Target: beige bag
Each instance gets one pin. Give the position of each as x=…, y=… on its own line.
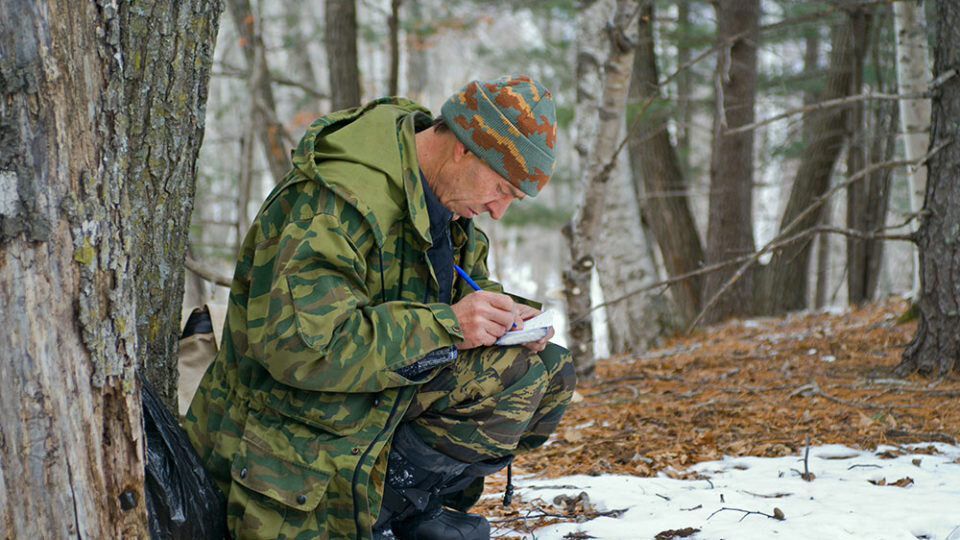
x=198, y=348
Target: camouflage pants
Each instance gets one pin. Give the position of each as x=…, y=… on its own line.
x=494, y=402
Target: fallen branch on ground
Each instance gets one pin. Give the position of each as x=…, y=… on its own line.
x=777, y=513
x=569, y=517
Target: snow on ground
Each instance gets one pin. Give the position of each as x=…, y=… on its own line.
x=891, y=493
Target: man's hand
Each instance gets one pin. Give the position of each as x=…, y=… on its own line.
x=485, y=316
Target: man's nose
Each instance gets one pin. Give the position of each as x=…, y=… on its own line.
x=499, y=207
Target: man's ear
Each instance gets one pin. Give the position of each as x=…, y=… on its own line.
x=459, y=150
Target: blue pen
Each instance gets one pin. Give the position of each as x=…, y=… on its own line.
x=466, y=277
x=469, y=280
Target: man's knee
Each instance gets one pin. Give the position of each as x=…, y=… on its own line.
x=559, y=367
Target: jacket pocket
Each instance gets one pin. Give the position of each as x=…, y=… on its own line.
x=267, y=463
x=319, y=306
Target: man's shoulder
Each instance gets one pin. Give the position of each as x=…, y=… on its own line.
x=356, y=198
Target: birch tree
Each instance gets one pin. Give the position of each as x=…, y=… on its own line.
x=595, y=176
x=624, y=259
x=913, y=78
x=100, y=121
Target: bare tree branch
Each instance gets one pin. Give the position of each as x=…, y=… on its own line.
x=234, y=72
x=828, y=104
x=206, y=272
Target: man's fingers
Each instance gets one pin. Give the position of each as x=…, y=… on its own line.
x=498, y=308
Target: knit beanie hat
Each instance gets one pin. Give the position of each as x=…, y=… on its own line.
x=511, y=124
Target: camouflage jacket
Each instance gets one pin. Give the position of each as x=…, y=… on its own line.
x=332, y=294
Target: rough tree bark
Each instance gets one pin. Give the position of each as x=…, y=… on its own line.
x=101, y=114
x=596, y=171
x=786, y=286
x=659, y=180
x=730, y=230
x=269, y=130
x=913, y=76
x=935, y=348
x=340, y=38
x=168, y=51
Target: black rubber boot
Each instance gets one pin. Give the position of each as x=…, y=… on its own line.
x=443, y=524
x=413, y=491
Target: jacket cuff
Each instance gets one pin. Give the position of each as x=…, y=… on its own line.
x=444, y=315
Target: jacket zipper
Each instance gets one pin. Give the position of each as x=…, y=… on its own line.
x=393, y=410
x=363, y=458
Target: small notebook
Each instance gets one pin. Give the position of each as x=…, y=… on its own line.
x=533, y=329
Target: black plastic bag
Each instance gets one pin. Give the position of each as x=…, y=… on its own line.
x=183, y=501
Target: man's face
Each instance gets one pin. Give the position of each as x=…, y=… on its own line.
x=468, y=187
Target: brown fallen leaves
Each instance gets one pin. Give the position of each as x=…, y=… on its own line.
x=757, y=388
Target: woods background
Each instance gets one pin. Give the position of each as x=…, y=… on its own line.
x=734, y=158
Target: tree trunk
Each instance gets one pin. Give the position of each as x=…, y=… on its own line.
x=272, y=135
x=868, y=200
x=596, y=173
x=823, y=263
x=659, y=179
x=786, y=287
x=730, y=232
x=168, y=51
x=857, y=151
x=684, y=86
x=626, y=264
x=935, y=348
x=865, y=257
x=99, y=129
x=625, y=261
x=878, y=193
x=593, y=46
x=811, y=55
x=393, y=85
x=340, y=38
x=913, y=76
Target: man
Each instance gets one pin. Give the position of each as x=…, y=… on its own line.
x=358, y=391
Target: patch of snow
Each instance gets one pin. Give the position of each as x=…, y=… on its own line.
x=855, y=494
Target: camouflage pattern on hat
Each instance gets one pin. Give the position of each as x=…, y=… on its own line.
x=511, y=124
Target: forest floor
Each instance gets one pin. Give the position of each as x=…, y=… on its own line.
x=759, y=387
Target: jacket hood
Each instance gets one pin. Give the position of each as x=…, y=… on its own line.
x=342, y=147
